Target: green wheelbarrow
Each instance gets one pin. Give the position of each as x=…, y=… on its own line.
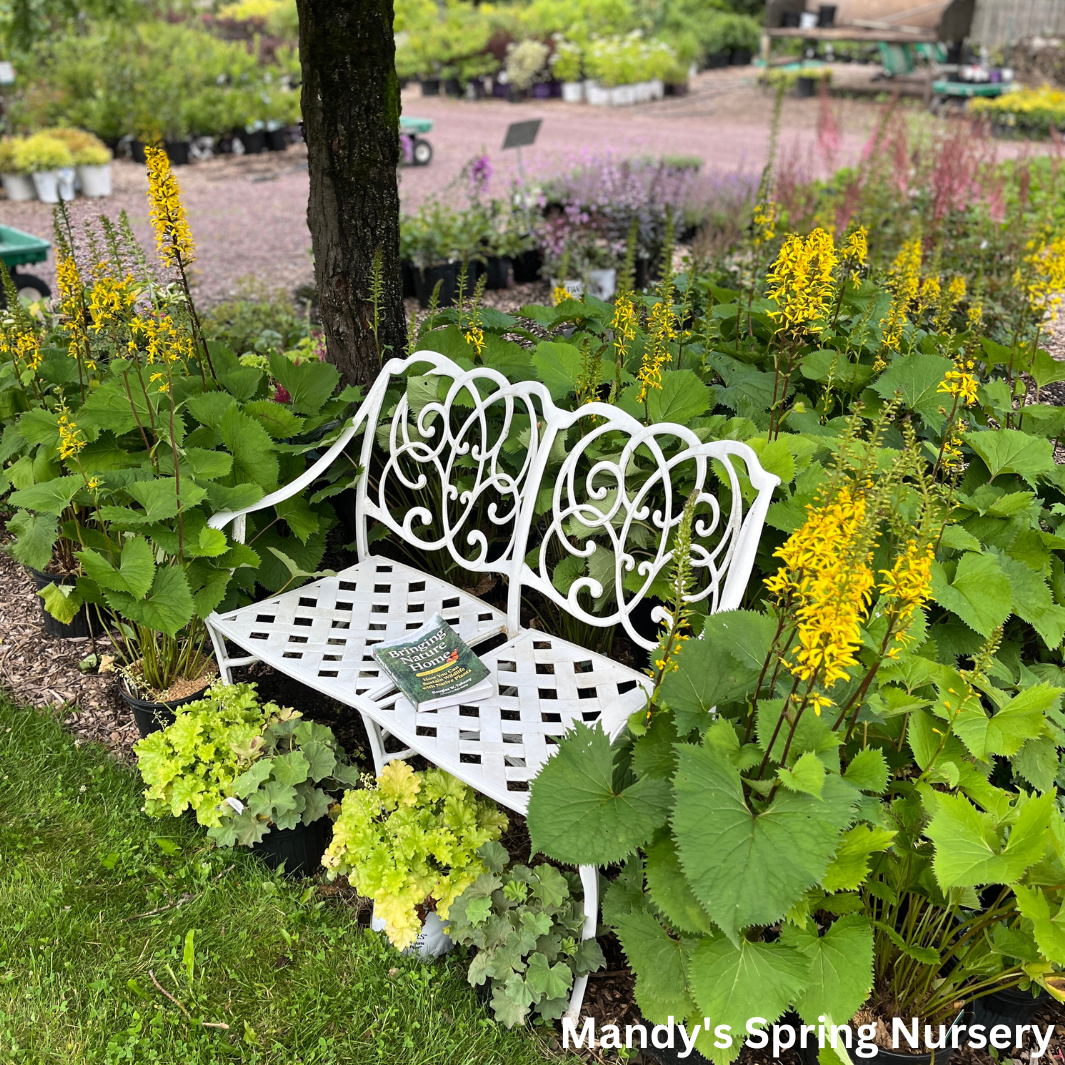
x=416, y=150
x=17, y=249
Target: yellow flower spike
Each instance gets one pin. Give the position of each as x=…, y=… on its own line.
x=173, y=237
x=801, y=281
x=475, y=338
x=71, y=438
x=559, y=295
x=959, y=384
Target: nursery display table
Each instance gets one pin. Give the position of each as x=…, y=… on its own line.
x=454, y=461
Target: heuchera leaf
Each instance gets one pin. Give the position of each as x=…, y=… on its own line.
x=574, y=813
x=750, y=868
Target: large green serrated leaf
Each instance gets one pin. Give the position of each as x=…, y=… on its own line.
x=160, y=499
x=1048, y=927
x=254, y=459
x=671, y=892
x=133, y=574
x=841, y=968
x=1004, y=733
x=309, y=384
x=721, y=666
x=168, y=606
x=732, y=982
x=1011, y=451
x=969, y=852
x=61, y=601
x=683, y=396
x=979, y=594
x=850, y=864
x=917, y=378
x=558, y=366
x=275, y=418
x=574, y=813
x=1032, y=600
x=748, y=868
x=868, y=770
x=36, y=535
x=51, y=497
x=658, y=962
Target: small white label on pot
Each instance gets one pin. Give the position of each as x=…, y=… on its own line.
x=236, y=804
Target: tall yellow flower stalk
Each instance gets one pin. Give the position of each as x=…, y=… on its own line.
x=826, y=581
x=623, y=326
x=904, y=279
x=801, y=281
x=661, y=332
x=173, y=238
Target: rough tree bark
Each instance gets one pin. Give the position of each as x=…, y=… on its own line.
x=351, y=109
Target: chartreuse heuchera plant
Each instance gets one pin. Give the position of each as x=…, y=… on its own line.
x=525, y=922
x=411, y=841
x=241, y=766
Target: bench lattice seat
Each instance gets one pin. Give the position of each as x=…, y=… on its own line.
x=498, y=480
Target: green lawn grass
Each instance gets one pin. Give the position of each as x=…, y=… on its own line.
x=291, y=974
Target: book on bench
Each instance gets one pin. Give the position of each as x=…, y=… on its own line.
x=434, y=667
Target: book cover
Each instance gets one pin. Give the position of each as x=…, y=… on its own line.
x=434, y=667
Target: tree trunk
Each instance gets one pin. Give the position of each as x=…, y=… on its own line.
x=351, y=109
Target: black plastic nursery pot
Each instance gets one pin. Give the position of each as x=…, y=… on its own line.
x=1010, y=1006
x=716, y=60
x=527, y=266
x=82, y=625
x=430, y=86
x=277, y=140
x=740, y=57
x=498, y=269
x=453, y=87
x=448, y=276
x=805, y=86
x=151, y=716
x=407, y=274
x=300, y=848
x=254, y=143
x=177, y=152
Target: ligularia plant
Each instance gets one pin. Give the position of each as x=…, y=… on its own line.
x=411, y=841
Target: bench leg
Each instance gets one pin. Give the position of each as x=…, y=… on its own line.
x=224, y=663
x=590, y=881
x=377, y=735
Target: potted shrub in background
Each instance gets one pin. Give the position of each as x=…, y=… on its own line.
x=411, y=844
x=525, y=924
x=257, y=776
x=17, y=183
x=42, y=156
x=92, y=160
x=566, y=67
x=525, y=62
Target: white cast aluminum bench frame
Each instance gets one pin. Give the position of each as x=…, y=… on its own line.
x=322, y=633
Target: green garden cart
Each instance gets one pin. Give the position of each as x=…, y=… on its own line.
x=17, y=249
x=416, y=150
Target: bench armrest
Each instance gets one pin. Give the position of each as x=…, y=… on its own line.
x=294, y=487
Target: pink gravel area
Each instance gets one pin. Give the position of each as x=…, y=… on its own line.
x=248, y=214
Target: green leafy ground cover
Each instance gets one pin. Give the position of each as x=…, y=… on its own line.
x=287, y=970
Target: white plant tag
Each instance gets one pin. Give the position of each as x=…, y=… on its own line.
x=236, y=804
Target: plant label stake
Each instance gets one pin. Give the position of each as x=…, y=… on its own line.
x=522, y=135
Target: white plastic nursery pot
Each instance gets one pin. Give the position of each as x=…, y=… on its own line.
x=572, y=92
x=65, y=177
x=624, y=95
x=432, y=940
x=95, y=180
x=46, y=182
x=18, y=186
x=658, y=88
x=603, y=283
x=596, y=95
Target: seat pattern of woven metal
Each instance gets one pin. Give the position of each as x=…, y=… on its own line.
x=322, y=634
x=543, y=685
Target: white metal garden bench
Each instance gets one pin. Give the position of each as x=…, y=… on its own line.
x=474, y=450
